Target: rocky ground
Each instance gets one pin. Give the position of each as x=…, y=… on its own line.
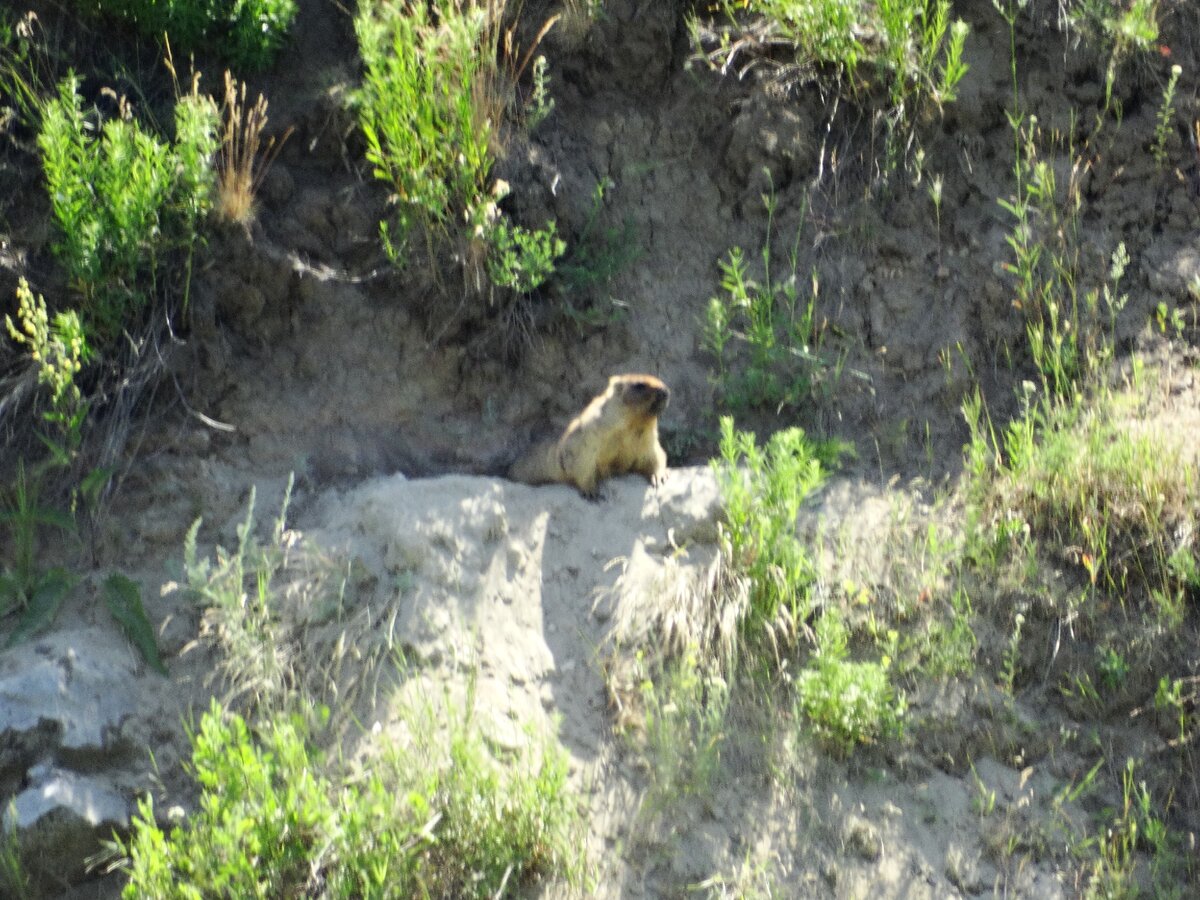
x=307, y=354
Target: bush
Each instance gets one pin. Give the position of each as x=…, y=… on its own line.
x=264, y=814
x=438, y=84
x=247, y=33
x=273, y=820
x=122, y=199
x=846, y=702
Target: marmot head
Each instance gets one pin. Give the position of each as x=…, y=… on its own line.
x=643, y=393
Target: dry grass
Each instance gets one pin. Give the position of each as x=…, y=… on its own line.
x=577, y=19
x=242, y=169
x=663, y=613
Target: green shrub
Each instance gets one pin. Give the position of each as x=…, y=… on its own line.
x=264, y=815
x=521, y=260
x=122, y=200
x=441, y=818
x=246, y=33
x=427, y=137
x=435, y=96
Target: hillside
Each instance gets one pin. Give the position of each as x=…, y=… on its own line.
x=985, y=295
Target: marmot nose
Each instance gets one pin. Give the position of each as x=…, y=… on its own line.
x=661, y=399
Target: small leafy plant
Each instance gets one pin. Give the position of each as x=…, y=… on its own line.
x=762, y=490
x=59, y=348
x=846, y=702
x=521, y=260
x=1162, y=123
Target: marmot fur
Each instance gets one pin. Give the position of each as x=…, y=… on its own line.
x=617, y=433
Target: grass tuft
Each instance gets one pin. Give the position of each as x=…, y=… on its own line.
x=241, y=171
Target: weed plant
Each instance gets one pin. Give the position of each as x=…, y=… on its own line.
x=763, y=489
x=771, y=583
x=764, y=336
x=248, y=34
x=1134, y=847
x=576, y=21
x=123, y=199
x=59, y=348
x=27, y=590
x=921, y=614
x=1119, y=28
x=596, y=257
x=1067, y=325
x=685, y=702
x=1082, y=479
x=522, y=260
x=20, y=68
x=1162, y=123
x=235, y=590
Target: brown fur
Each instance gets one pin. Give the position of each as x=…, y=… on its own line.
x=617, y=433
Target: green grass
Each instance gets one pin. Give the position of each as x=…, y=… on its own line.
x=1111, y=496
x=684, y=704
x=235, y=588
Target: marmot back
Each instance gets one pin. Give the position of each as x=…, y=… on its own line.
x=617, y=433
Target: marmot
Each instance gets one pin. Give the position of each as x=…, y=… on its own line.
x=617, y=433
